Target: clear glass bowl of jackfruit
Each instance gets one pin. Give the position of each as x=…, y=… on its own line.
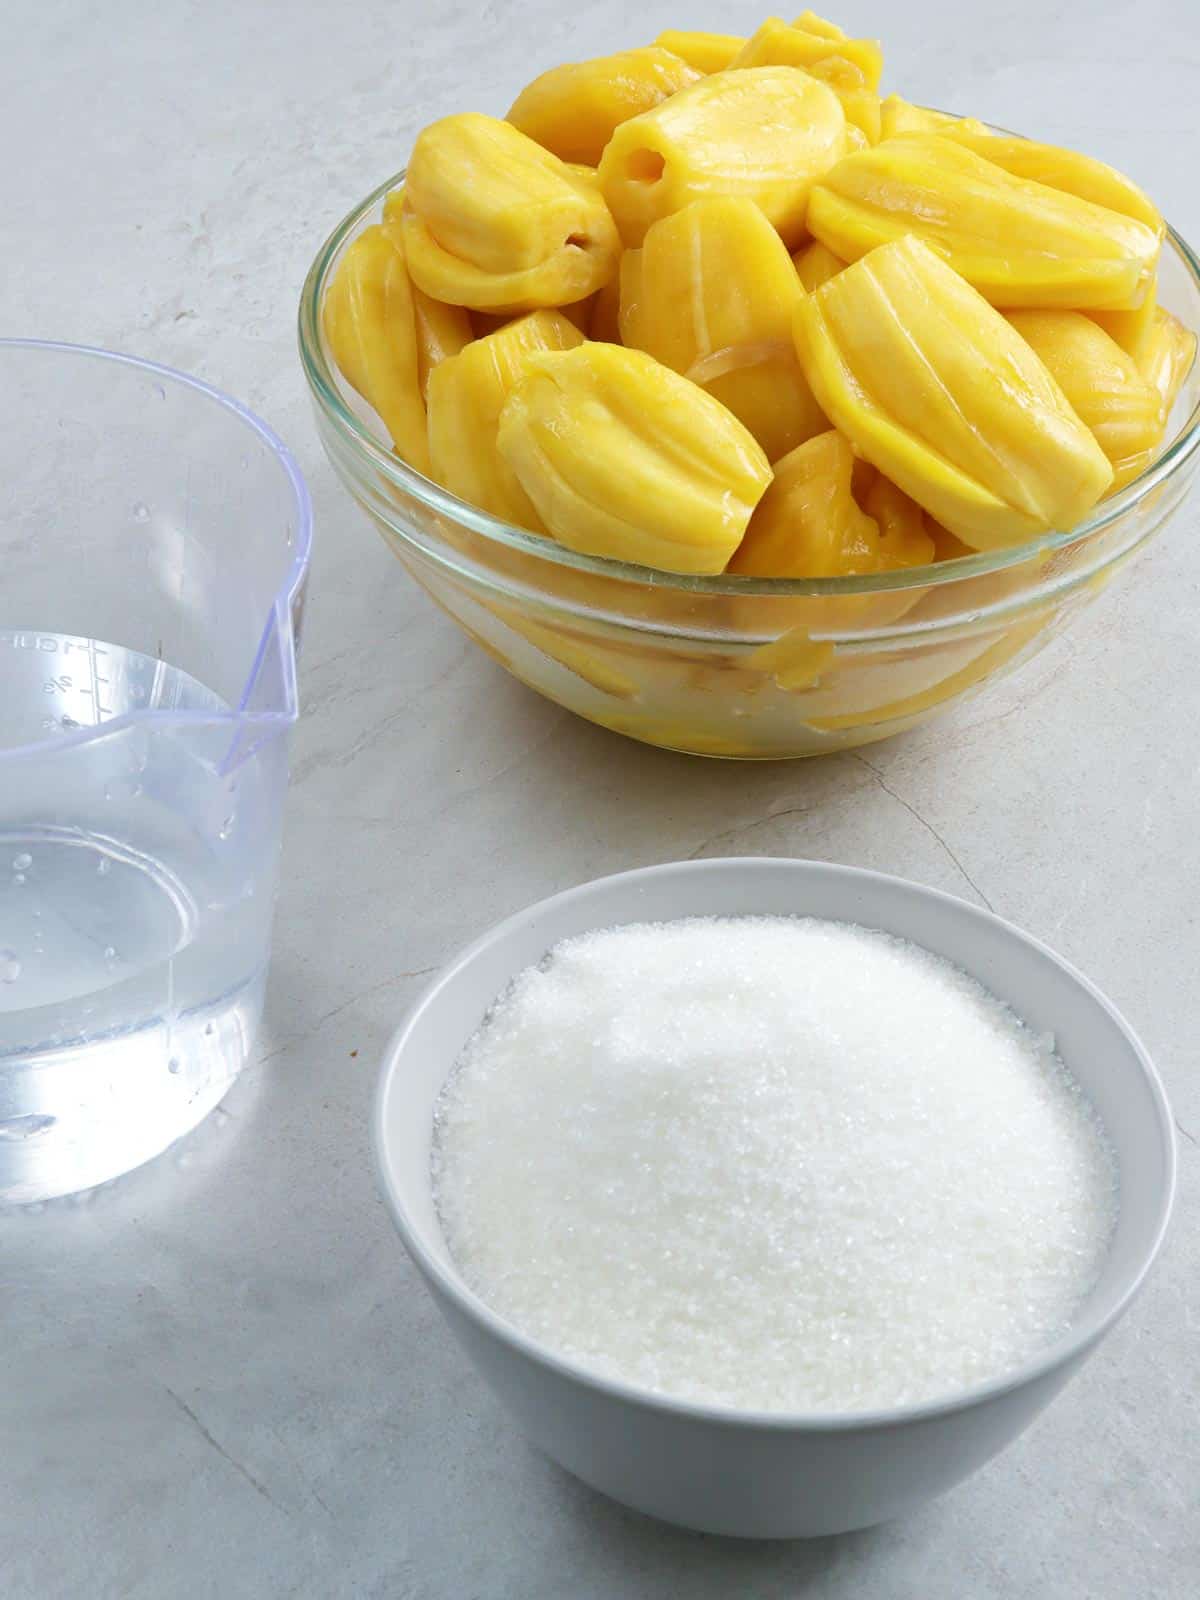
x=660, y=472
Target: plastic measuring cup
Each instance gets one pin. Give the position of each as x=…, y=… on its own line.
x=154, y=544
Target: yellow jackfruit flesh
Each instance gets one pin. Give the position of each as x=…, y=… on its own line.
x=1020, y=243
x=604, y=323
x=851, y=67
x=859, y=102
x=1167, y=358
x=630, y=316
x=812, y=23
x=646, y=202
x=466, y=396
x=866, y=54
x=1058, y=168
x=905, y=539
x=580, y=314
x=370, y=324
x=856, y=139
x=572, y=110
x=623, y=458
x=1076, y=174
x=706, y=52
x=442, y=331
x=809, y=524
x=494, y=222
x=711, y=294
x=815, y=264
x=899, y=116
x=946, y=545
x=1132, y=330
x=934, y=388
x=1105, y=389
x=762, y=134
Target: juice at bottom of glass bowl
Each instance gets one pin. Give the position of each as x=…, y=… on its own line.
x=137, y=871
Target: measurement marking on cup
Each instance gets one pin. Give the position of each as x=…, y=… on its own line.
x=102, y=708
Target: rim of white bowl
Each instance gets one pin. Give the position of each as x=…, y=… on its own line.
x=1069, y=1345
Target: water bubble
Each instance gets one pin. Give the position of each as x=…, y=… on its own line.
x=226, y=827
x=173, y=1065
x=49, y=722
x=184, y=1158
x=10, y=966
x=141, y=512
x=221, y=1116
x=105, y=865
x=135, y=789
x=19, y=878
x=22, y=862
x=110, y=953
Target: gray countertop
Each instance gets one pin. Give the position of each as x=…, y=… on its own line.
x=220, y=1375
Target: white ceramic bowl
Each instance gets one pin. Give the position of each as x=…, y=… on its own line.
x=771, y=1474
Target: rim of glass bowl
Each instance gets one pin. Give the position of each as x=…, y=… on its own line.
x=383, y=459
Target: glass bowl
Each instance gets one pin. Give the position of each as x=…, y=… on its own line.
x=751, y=668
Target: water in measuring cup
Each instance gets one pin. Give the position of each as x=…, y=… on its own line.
x=134, y=910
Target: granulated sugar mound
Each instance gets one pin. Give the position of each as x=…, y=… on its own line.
x=772, y=1163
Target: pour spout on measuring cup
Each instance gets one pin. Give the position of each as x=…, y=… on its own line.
x=269, y=703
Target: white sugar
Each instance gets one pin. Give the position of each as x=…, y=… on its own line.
x=773, y=1163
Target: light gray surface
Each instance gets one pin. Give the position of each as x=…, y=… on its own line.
x=221, y=1378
